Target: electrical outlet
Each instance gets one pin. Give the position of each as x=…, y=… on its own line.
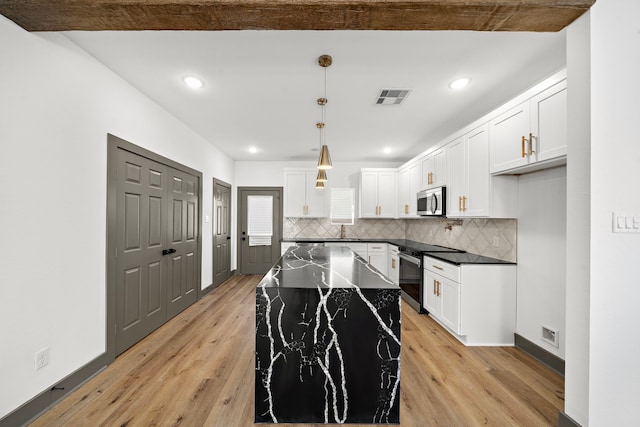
x=496, y=240
x=42, y=358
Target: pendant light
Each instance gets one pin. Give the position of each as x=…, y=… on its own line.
x=324, y=162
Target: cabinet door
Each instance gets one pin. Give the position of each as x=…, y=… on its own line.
x=387, y=192
x=394, y=268
x=316, y=198
x=379, y=261
x=294, y=194
x=439, y=176
x=368, y=194
x=414, y=187
x=456, y=189
x=404, y=191
x=506, y=132
x=549, y=123
x=477, y=165
x=430, y=298
x=450, y=303
x=428, y=168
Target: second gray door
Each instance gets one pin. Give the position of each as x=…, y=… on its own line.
x=221, y=232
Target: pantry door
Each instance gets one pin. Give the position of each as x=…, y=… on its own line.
x=141, y=280
x=153, y=242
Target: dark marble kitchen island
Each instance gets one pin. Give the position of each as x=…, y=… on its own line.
x=327, y=340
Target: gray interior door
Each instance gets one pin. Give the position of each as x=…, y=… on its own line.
x=182, y=268
x=157, y=229
x=221, y=232
x=258, y=259
x=141, y=270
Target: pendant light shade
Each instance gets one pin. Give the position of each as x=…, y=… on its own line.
x=324, y=162
x=322, y=176
x=319, y=184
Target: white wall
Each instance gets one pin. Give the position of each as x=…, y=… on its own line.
x=614, y=389
x=607, y=394
x=578, y=221
x=541, y=256
x=57, y=105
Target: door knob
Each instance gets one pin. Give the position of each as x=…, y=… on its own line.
x=168, y=251
x=228, y=238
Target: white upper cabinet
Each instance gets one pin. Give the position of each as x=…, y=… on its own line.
x=434, y=169
x=377, y=196
x=468, y=164
x=408, y=186
x=531, y=135
x=301, y=197
x=471, y=190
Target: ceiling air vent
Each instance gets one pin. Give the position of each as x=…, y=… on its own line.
x=392, y=96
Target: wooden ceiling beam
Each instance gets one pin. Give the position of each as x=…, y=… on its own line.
x=218, y=15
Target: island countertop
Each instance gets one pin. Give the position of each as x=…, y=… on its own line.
x=324, y=267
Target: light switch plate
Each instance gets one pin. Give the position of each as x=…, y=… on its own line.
x=626, y=223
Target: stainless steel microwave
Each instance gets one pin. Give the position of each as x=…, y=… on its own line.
x=432, y=202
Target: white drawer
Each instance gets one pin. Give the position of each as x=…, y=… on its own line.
x=376, y=247
x=445, y=269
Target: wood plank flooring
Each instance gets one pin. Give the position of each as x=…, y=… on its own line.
x=198, y=370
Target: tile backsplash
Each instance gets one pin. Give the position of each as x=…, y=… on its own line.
x=495, y=238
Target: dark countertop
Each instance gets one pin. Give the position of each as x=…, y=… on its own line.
x=453, y=256
x=466, y=258
x=324, y=267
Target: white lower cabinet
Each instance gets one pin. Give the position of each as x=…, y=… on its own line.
x=475, y=302
x=394, y=265
x=377, y=256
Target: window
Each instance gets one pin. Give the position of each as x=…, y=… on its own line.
x=342, y=210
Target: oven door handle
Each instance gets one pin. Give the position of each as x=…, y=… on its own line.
x=412, y=260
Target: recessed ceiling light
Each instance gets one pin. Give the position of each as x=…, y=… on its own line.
x=387, y=150
x=253, y=150
x=193, y=82
x=458, y=84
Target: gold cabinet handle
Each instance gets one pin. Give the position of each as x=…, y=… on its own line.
x=434, y=286
x=531, y=144
x=406, y=209
x=438, y=288
x=523, y=140
x=459, y=204
x=430, y=178
x=464, y=203
x=435, y=266
x=393, y=263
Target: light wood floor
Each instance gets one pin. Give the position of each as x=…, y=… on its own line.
x=198, y=370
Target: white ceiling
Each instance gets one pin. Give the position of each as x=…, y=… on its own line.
x=261, y=86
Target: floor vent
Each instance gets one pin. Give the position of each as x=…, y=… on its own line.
x=392, y=96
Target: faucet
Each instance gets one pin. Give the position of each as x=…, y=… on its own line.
x=343, y=232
